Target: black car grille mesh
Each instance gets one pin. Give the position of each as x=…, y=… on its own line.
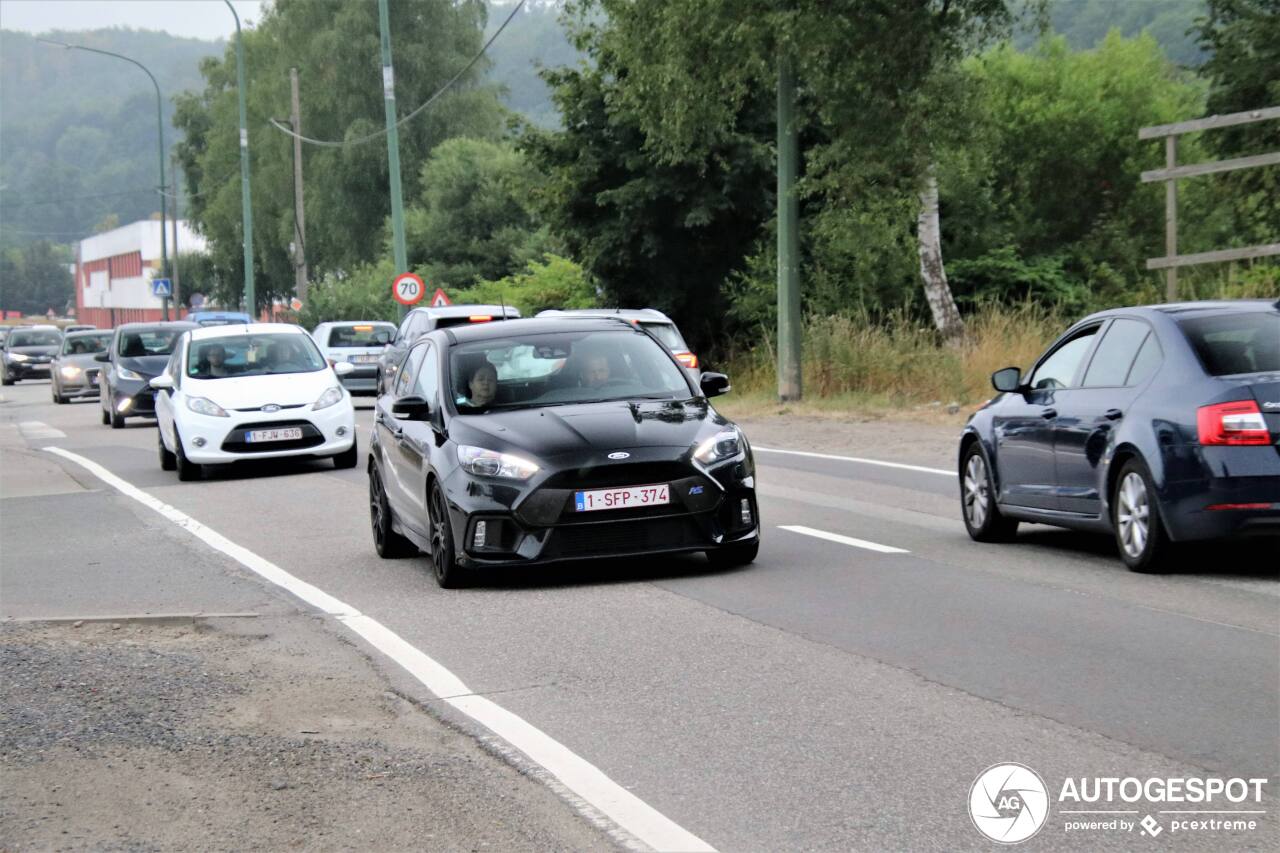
x=626, y=537
x=632, y=474
x=235, y=440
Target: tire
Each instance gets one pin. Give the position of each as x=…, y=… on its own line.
x=734, y=556
x=187, y=470
x=106, y=418
x=982, y=517
x=1135, y=518
x=6, y=379
x=168, y=461
x=59, y=399
x=349, y=458
x=389, y=544
x=444, y=558
x=117, y=421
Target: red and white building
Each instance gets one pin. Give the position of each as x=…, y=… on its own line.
x=114, y=271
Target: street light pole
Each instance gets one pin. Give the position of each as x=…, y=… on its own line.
x=246, y=205
x=164, y=243
x=393, y=146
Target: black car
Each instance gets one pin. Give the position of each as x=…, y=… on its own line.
x=138, y=353
x=27, y=353
x=1158, y=425
x=538, y=441
x=419, y=321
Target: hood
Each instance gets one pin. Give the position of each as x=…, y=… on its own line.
x=147, y=365
x=557, y=430
x=83, y=360
x=253, y=392
x=45, y=350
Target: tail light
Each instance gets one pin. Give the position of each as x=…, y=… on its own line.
x=1234, y=423
x=688, y=359
x=480, y=318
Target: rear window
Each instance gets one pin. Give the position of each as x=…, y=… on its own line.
x=361, y=335
x=86, y=344
x=1236, y=343
x=667, y=333
x=148, y=342
x=445, y=322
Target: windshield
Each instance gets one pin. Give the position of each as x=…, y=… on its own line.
x=361, y=335
x=86, y=344
x=1236, y=343
x=35, y=338
x=148, y=342
x=253, y=355
x=561, y=368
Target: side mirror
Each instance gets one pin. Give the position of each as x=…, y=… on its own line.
x=410, y=409
x=103, y=357
x=343, y=368
x=715, y=384
x=1008, y=379
x=163, y=382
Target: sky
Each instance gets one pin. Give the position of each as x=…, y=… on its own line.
x=204, y=19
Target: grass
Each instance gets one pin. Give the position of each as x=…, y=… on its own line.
x=852, y=364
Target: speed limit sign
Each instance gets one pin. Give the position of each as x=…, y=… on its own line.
x=408, y=289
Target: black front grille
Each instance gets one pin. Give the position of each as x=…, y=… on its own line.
x=281, y=408
x=626, y=537
x=235, y=440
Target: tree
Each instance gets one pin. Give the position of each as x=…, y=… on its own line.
x=36, y=278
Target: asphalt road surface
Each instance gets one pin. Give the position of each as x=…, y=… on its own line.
x=842, y=693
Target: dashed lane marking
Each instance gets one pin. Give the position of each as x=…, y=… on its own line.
x=650, y=829
x=863, y=461
x=38, y=430
x=843, y=540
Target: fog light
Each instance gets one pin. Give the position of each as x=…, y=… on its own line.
x=198, y=441
x=124, y=405
x=477, y=539
x=341, y=431
x=746, y=512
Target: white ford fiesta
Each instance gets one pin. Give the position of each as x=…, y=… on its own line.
x=256, y=391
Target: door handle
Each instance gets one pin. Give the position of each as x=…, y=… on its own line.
x=1049, y=414
x=1114, y=414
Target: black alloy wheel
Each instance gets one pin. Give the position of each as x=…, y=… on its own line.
x=444, y=558
x=982, y=518
x=386, y=541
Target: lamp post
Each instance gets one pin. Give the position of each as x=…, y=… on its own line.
x=164, y=243
x=246, y=205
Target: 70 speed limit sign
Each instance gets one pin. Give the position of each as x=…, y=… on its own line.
x=408, y=289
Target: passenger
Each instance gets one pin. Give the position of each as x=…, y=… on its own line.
x=594, y=372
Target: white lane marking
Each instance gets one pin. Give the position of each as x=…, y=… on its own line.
x=843, y=540
x=859, y=459
x=578, y=775
x=39, y=429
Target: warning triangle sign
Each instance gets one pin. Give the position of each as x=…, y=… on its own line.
x=440, y=299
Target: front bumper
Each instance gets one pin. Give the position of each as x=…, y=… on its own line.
x=224, y=438
x=28, y=369
x=83, y=384
x=134, y=400
x=525, y=527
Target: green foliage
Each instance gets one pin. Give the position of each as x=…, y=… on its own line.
x=335, y=46
x=474, y=220
x=364, y=294
x=34, y=278
x=1085, y=23
x=534, y=40
x=554, y=282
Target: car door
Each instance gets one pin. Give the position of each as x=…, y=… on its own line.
x=416, y=438
x=167, y=398
x=395, y=480
x=1088, y=415
x=1023, y=424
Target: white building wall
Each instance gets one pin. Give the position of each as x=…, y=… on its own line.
x=141, y=236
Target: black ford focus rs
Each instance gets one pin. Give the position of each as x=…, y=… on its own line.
x=540, y=441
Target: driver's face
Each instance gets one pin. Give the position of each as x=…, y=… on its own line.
x=217, y=355
x=596, y=371
x=484, y=386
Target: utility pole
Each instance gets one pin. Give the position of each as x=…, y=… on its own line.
x=177, y=192
x=299, y=211
x=246, y=203
x=789, y=320
x=393, y=145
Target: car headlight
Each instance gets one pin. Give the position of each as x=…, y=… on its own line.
x=205, y=406
x=490, y=463
x=328, y=398
x=69, y=371
x=721, y=446
x=126, y=373
x=17, y=356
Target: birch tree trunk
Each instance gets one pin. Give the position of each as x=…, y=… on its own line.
x=945, y=314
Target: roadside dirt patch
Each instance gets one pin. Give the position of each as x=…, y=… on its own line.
x=915, y=442
x=266, y=734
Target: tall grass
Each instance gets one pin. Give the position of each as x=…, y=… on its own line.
x=901, y=359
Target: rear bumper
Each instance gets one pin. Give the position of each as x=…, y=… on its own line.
x=1223, y=507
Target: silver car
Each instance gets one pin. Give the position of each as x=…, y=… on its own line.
x=75, y=371
x=359, y=343
x=651, y=320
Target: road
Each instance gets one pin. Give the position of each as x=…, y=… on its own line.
x=841, y=693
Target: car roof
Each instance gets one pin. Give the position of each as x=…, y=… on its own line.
x=507, y=311
x=204, y=333
x=651, y=315
x=331, y=323
x=532, y=326
x=165, y=324
x=218, y=314
x=81, y=333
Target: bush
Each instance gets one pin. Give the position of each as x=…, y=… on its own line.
x=555, y=282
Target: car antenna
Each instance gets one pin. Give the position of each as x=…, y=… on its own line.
x=502, y=300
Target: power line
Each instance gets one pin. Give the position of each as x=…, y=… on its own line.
x=330, y=143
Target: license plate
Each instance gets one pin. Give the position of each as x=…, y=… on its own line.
x=286, y=434
x=628, y=498
x=364, y=359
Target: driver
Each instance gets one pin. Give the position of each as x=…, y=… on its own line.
x=482, y=385
x=216, y=357
x=595, y=371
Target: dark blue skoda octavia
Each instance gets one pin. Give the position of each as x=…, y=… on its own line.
x=1158, y=424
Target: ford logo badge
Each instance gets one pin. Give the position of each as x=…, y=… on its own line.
x=270, y=407
x=620, y=455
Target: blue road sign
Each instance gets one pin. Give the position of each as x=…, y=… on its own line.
x=162, y=287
